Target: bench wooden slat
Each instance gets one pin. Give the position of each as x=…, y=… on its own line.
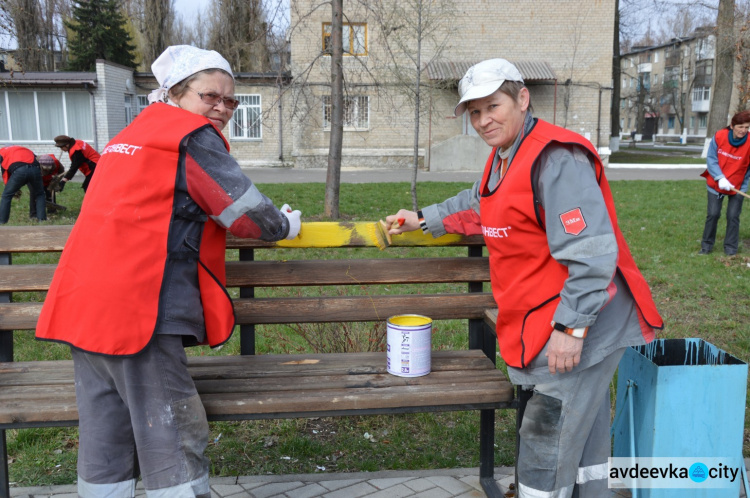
x=26, y=278
x=23, y=316
x=33, y=239
x=44, y=392
x=232, y=367
x=357, y=271
x=359, y=308
x=52, y=238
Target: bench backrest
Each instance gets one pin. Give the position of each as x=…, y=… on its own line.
x=298, y=263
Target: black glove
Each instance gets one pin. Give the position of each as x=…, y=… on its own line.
x=61, y=186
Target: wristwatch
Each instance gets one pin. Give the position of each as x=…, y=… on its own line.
x=579, y=332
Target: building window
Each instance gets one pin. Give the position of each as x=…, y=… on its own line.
x=700, y=94
x=656, y=57
x=624, y=82
x=670, y=122
x=128, y=109
x=703, y=121
x=356, y=112
x=142, y=102
x=354, y=38
x=246, y=122
x=622, y=103
x=38, y=116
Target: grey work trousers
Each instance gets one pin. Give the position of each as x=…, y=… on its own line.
x=564, y=436
x=713, y=213
x=140, y=415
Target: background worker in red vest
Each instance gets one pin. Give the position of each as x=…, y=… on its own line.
x=570, y=297
x=82, y=157
x=20, y=167
x=153, y=252
x=728, y=163
x=50, y=168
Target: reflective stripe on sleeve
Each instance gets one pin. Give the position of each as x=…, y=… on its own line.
x=247, y=202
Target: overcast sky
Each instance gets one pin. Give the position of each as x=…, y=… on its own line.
x=189, y=8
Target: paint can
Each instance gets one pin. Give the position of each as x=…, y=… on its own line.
x=409, y=339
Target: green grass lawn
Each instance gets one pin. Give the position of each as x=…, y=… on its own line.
x=698, y=296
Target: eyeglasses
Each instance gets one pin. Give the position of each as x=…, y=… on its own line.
x=212, y=99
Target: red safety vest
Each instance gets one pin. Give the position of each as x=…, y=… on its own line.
x=733, y=161
x=15, y=154
x=105, y=296
x=91, y=155
x=526, y=279
x=56, y=170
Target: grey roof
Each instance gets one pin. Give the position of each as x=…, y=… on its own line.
x=58, y=79
x=455, y=70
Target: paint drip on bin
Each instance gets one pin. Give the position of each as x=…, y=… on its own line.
x=409, y=339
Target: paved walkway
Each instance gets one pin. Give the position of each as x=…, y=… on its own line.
x=439, y=483
x=449, y=483
x=613, y=172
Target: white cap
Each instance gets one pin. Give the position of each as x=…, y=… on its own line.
x=484, y=79
x=181, y=61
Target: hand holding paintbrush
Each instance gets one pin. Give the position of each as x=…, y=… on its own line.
x=403, y=221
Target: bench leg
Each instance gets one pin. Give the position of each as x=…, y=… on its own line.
x=487, y=454
x=6, y=336
x=4, y=476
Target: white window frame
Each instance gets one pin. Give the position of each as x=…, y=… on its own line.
x=701, y=94
x=5, y=114
x=356, y=112
x=142, y=103
x=129, y=115
x=250, y=109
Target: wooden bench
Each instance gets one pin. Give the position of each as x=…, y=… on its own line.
x=249, y=386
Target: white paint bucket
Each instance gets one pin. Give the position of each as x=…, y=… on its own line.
x=409, y=345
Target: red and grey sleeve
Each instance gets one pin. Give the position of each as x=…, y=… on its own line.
x=217, y=184
x=458, y=214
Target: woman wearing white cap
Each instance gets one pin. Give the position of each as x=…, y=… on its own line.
x=146, y=256
x=570, y=297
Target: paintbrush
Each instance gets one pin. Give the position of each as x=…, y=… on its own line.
x=381, y=236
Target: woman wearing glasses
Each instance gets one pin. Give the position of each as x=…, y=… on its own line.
x=155, y=224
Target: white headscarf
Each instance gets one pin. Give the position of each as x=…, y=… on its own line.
x=180, y=61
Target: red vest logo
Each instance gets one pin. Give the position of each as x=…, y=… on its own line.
x=573, y=221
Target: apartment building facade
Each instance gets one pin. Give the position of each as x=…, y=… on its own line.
x=666, y=89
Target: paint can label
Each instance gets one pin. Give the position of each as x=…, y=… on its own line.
x=409, y=345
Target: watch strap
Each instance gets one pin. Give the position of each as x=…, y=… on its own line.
x=579, y=332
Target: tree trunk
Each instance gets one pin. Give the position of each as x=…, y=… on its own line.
x=414, y=203
x=333, y=176
x=614, y=124
x=723, y=69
